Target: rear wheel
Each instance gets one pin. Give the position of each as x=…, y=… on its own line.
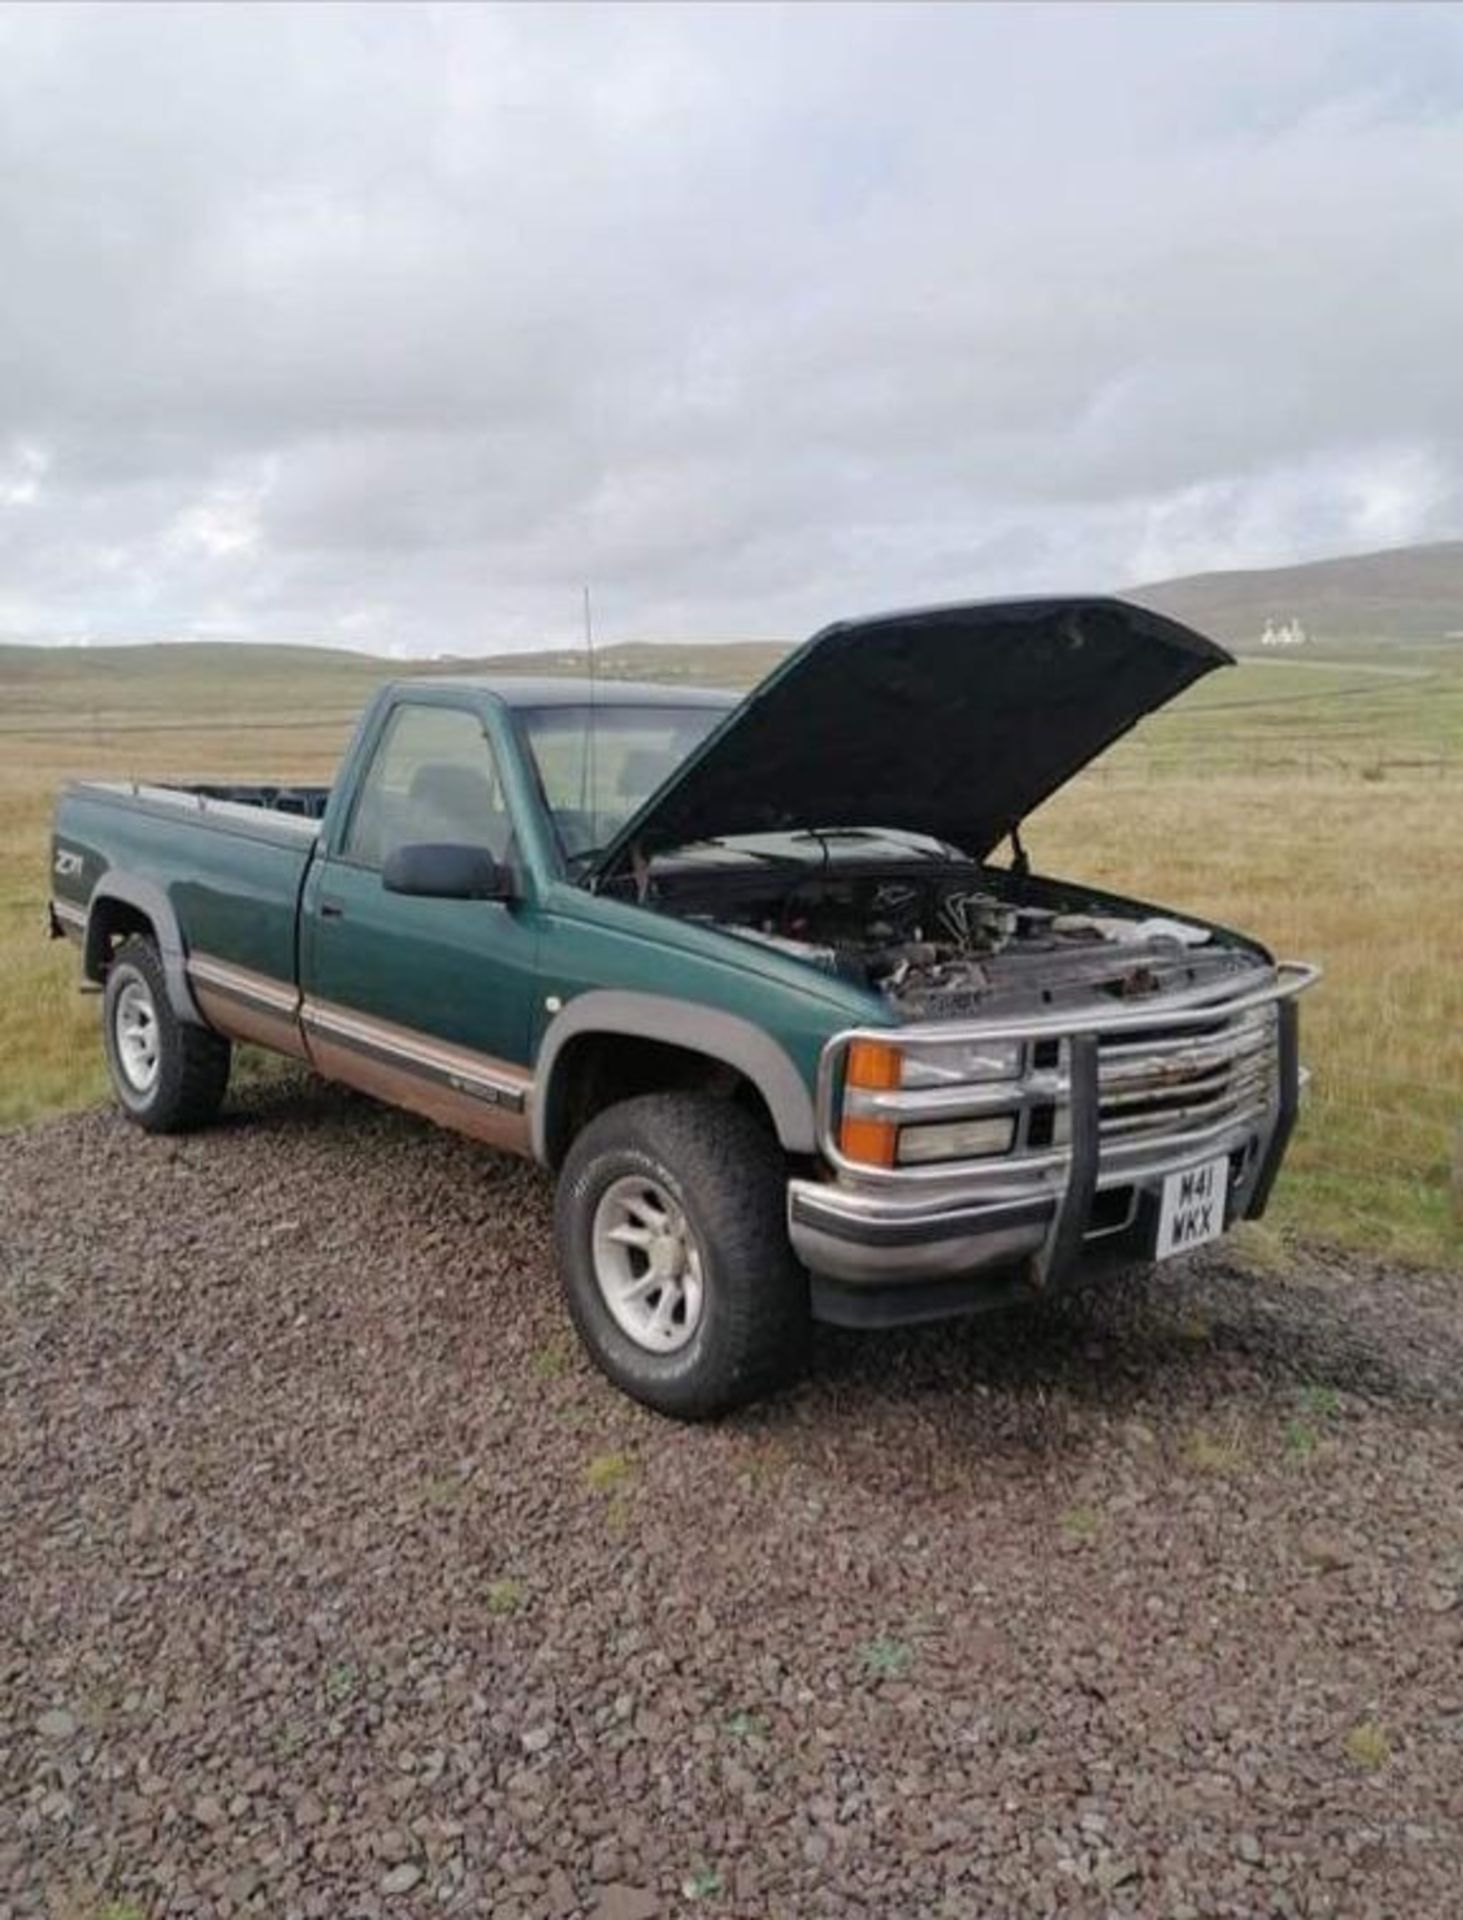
x=674, y=1254
x=168, y=1075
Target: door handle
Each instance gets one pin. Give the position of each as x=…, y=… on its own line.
x=331, y=910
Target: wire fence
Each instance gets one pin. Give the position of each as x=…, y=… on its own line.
x=1169, y=761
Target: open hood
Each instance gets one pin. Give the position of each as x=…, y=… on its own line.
x=953, y=721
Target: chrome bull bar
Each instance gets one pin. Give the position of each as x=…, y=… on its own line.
x=1108, y=1062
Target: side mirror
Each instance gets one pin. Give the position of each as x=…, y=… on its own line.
x=446, y=872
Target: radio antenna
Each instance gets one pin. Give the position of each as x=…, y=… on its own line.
x=589, y=797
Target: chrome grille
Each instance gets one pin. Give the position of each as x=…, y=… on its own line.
x=1172, y=1080
x=1176, y=1080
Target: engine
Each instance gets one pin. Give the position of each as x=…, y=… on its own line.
x=970, y=940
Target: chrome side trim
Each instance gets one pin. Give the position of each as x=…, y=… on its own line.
x=495, y=1082
x=69, y=914
x=241, y=983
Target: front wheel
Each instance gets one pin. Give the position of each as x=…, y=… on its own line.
x=168, y=1075
x=674, y=1254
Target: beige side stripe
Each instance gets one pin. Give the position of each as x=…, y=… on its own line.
x=482, y=1075
x=496, y=1082
x=258, y=989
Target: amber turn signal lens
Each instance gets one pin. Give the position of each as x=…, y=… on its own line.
x=872, y=1064
x=869, y=1141
x=872, y=1067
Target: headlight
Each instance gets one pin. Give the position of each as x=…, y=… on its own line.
x=946, y=1063
x=874, y=1132
x=956, y=1140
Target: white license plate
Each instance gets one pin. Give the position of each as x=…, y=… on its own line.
x=1193, y=1208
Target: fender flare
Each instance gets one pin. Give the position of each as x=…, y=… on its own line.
x=681, y=1023
x=149, y=899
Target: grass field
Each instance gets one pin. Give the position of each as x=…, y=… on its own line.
x=1318, y=803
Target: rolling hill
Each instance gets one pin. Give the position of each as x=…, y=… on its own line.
x=1402, y=593
x=1412, y=596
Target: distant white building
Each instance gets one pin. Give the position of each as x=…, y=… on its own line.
x=1288, y=633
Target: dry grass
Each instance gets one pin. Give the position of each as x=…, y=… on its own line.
x=50, y=1057
x=1360, y=873
x=1364, y=878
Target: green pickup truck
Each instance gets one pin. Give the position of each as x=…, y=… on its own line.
x=749, y=976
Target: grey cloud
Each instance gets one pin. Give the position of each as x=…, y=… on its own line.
x=397, y=324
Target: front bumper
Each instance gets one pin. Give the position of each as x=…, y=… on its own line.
x=898, y=1246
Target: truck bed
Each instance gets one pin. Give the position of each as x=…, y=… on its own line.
x=223, y=864
x=306, y=802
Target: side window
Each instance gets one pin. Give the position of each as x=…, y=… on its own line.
x=432, y=777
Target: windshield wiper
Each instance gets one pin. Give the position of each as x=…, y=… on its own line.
x=732, y=843
x=576, y=864
x=938, y=850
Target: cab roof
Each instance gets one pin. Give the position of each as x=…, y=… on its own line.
x=553, y=690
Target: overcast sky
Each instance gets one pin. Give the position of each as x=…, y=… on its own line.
x=389, y=327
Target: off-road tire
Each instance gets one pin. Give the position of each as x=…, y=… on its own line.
x=726, y=1172
x=192, y=1062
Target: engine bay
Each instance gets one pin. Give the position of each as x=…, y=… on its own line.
x=953, y=938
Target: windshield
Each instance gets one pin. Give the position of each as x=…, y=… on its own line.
x=593, y=780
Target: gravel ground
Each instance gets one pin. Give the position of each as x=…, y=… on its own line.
x=336, y=1583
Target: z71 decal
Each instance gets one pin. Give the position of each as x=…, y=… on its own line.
x=67, y=863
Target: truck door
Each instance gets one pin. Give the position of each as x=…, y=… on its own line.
x=423, y=1002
